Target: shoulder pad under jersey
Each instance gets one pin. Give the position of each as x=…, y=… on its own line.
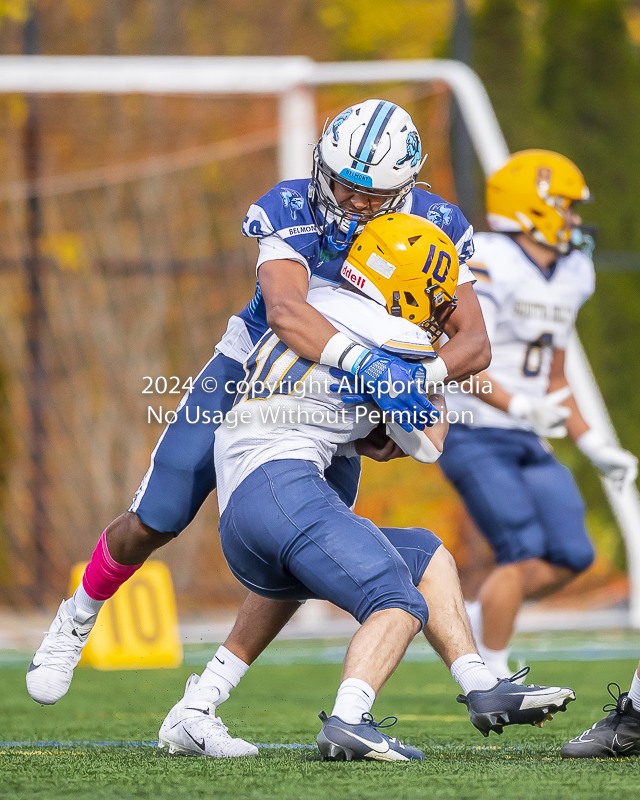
x=283, y=210
x=446, y=216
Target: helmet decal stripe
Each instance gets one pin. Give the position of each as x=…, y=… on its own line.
x=378, y=135
x=367, y=131
x=372, y=134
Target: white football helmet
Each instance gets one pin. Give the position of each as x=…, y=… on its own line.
x=373, y=148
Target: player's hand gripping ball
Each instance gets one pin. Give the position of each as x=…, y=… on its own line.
x=396, y=386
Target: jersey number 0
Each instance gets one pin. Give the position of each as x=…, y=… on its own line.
x=533, y=356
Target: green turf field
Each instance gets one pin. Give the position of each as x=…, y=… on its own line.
x=278, y=705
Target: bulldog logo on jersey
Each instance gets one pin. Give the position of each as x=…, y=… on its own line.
x=440, y=214
x=337, y=122
x=292, y=200
x=414, y=150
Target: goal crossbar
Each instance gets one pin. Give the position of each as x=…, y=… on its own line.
x=290, y=78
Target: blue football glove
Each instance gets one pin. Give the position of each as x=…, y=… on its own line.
x=348, y=387
x=397, y=387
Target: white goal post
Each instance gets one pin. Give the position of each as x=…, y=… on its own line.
x=292, y=80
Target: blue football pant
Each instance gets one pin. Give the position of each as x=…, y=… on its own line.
x=182, y=471
x=287, y=535
x=522, y=499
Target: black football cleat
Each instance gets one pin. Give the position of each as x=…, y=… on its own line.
x=339, y=741
x=618, y=734
x=509, y=703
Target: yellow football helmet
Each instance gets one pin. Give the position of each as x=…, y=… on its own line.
x=407, y=264
x=530, y=193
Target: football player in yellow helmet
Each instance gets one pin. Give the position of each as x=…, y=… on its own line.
x=410, y=266
x=399, y=280
x=536, y=192
x=531, y=283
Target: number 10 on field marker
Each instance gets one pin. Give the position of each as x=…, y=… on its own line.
x=138, y=627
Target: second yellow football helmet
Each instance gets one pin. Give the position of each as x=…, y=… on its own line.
x=530, y=193
x=410, y=266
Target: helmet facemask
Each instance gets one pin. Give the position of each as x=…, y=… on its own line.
x=567, y=237
x=583, y=238
x=328, y=213
x=442, y=307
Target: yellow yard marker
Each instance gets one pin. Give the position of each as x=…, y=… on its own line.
x=138, y=627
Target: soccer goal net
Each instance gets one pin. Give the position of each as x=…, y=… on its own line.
x=123, y=192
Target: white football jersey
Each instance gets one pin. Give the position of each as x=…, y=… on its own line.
x=288, y=410
x=528, y=314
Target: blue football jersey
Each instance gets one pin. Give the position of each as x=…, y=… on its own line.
x=284, y=211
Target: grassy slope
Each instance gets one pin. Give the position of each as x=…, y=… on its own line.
x=279, y=704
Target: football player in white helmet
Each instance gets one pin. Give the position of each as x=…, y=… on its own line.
x=366, y=163
x=531, y=284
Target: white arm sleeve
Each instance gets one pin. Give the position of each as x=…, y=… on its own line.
x=465, y=275
x=273, y=248
x=414, y=443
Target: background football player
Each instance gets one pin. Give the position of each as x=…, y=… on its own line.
x=287, y=535
x=531, y=283
x=365, y=164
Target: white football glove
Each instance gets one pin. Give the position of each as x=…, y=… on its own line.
x=618, y=465
x=545, y=414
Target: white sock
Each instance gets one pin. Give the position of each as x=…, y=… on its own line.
x=86, y=605
x=634, y=691
x=354, y=698
x=497, y=661
x=223, y=673
x=471, y=673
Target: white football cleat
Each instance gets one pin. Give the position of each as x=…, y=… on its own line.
x=51, y=669
x=191, y=728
